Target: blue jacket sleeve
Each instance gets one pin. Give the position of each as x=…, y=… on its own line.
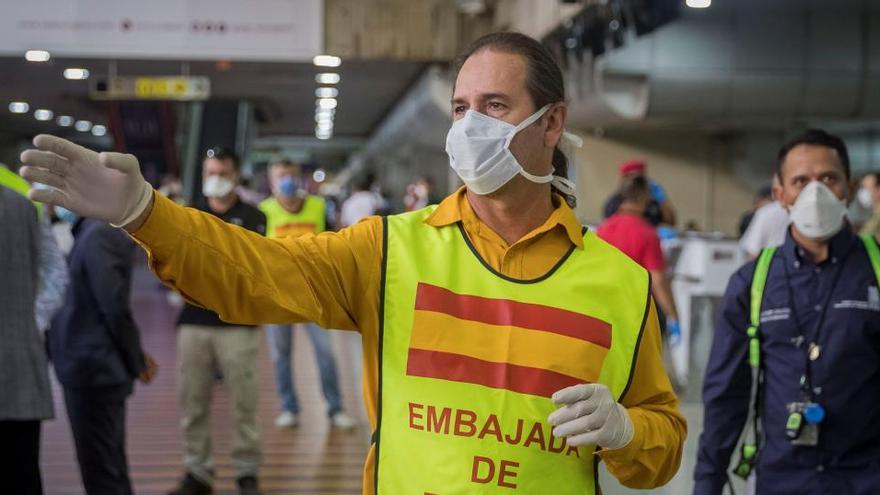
x=108, y=265
x=726, y=388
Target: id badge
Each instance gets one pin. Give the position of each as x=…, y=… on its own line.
x=809, y=436
x=802, y=427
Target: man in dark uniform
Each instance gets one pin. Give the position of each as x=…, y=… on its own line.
x=818, y=326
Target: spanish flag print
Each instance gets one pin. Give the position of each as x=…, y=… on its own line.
x=499, y=343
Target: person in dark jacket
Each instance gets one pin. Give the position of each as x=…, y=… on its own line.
x=819, y=331
x=96, y=351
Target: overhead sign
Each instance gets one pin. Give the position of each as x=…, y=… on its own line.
x=152, y=88
x=269, y=30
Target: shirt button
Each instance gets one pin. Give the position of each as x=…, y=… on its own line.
x=818, y=307
x=818, y=270
x=820, y=468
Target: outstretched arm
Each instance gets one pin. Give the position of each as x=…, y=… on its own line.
x=241, y=275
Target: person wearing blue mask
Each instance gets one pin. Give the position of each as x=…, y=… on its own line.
x=95, y=348
x=292, y=212
x=794, y=371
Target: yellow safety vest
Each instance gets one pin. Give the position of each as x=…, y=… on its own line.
x=469, y=359
x=13, y=181
x=310, y=219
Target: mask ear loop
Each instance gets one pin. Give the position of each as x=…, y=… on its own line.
x=525, y=123
x=567, y=144
x=539, y=179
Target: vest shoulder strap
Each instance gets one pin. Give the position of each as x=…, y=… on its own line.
x=759, y=280
x=873, y=254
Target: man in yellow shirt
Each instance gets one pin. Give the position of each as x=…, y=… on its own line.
x=291, y=212
x=501, y=265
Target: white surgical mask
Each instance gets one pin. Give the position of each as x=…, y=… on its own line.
x=864, y=198
x=217, y=187
x=479, y=151
x=817, y=213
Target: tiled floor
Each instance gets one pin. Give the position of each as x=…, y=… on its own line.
x=311, y=459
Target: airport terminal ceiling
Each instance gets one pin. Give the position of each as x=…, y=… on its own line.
x=283, y=94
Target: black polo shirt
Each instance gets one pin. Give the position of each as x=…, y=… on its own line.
x=243, y=215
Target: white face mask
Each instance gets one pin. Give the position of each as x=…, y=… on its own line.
x=479, y=151
x=817, y=213
x=217, y=187
x=864, y=198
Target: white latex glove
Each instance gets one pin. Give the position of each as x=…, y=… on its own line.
x=106, y=186
x=590, y=415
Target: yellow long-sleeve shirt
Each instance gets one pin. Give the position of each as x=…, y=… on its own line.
x=334, y=280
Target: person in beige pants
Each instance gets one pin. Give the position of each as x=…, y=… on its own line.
x=206, y=344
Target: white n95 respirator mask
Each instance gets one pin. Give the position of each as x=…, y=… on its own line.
x=479, y=151
x=817, y=213
x=217, y=187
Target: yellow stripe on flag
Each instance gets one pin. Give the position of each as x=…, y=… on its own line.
x=508, y=344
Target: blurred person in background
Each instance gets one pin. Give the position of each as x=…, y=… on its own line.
x=768, y=225
x=206, y=344
x=794, y=370
x=869, y=197
x=362, y=203
x=763, y=197
x=419, y=194
x=292, y=212
x=659, y=210
x=628, y=231
x=248, y=193
x=35, y=278
x=96, y=351
x=172, y=188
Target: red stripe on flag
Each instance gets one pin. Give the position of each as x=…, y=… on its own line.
x=458, y=368
x=514, y=313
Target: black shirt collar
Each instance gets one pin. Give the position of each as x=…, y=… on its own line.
x=838, y=247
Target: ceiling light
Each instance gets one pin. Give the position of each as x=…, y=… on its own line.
x=327, y=78
x=64, y=120
x=472, y=7
x=19, y=107
x=326, y=61
x=76, y=74
x=99, y=130
x=326, y=92
x=327, y=103
x=319, y=175
x=82, y=125
x=42, y=114
x=698, y=4
x=37, y=56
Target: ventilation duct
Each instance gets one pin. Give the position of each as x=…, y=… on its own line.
x=741, y=64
